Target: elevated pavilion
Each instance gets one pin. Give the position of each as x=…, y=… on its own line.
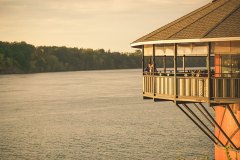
x=210, y=34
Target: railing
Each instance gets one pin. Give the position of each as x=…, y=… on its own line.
x=226, y=88
x=148, y=84
x=164, y=85
x=191, y=87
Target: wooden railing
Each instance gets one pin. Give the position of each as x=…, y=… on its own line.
x=191, y=88
x=148, y=84
x=164, y=85
x=226, y=88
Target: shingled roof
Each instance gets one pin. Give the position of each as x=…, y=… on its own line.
x=221, y=18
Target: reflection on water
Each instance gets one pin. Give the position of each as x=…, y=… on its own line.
x=91, y=115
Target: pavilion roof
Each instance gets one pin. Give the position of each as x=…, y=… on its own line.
x=220, y=18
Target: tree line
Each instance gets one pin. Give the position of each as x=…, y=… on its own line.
x=20, y=57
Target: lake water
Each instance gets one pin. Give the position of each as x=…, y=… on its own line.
x=92, y=115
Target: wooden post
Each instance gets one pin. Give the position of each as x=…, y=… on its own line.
x=184, y=63
x=175, y=72
x=154, y=58
x=143, y=61
x=209, y=73
x=164, y=63
x=154, y=78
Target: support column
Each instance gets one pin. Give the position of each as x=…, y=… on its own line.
x=154, y=78
x=154, y=59
x=143, y=60
x=175, y=72
x=184, y=63
x=143, y=67
x=224, y=117
x=209, y=87
x=228, y=124
x=164, y=63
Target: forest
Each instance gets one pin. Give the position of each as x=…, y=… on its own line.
x=20, y=57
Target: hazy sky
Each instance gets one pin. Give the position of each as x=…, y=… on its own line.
x=108, y=24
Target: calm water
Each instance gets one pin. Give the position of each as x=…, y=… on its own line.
x=92, y=115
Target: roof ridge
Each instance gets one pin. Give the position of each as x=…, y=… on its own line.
x=234, y=10
x=175, y=21
x=200, y=18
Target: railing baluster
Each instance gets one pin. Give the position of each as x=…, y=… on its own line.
x=148, y=86
x=224, y=86
x=206, y=88
x=232, y=94
x=238, y=88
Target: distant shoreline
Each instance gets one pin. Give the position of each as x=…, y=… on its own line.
x=72, y=71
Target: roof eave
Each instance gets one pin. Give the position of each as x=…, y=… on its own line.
x=135, y=45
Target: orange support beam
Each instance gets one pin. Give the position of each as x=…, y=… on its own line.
x=226, y=121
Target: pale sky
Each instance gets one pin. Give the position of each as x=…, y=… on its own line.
x=107, y=24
